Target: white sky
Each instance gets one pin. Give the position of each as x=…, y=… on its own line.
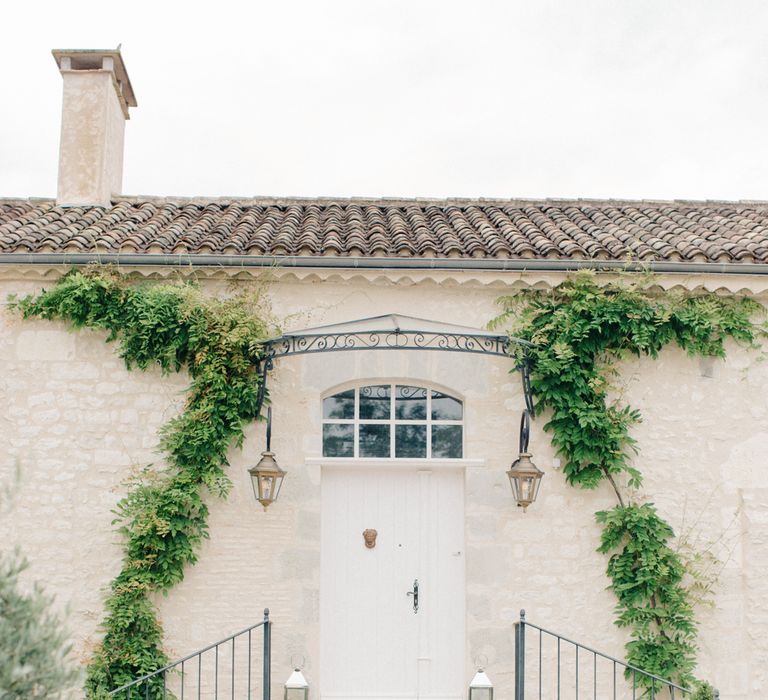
x=574, y=98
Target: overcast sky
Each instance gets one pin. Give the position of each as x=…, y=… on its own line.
x=594, y=98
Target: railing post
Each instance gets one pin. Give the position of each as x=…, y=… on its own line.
x=267, y=655
x=520, y=657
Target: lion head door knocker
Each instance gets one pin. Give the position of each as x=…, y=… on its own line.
x=370, y=538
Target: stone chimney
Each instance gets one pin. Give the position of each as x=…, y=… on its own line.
x=97, y=95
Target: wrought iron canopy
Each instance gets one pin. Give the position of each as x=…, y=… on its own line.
x=395, y=332
x=392, y=332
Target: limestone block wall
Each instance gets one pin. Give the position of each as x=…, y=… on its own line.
x=78, y=423
x=92, y=136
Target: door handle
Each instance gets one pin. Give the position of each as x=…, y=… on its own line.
x=415, y=594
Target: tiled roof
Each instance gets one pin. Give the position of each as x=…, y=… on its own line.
x=497, y=229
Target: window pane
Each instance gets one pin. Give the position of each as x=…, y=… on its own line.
x=411, y=441
x=375, y=402
x=446, y=441
x=374, y=440
x=410, y=403
x=445, y=407
x=340, y=405
x=338, y=440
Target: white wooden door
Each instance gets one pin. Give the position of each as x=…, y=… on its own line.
x=374, y=645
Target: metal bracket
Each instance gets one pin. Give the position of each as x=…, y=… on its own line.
x=525, y=431
x=525, y=375
x=528, y=412
x=267, y=364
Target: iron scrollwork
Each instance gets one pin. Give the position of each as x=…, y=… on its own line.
x=410, y=393
x=390, y=340
x=398, y=339
x=375, y=391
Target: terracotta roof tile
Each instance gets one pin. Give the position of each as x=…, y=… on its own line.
x=547, y=229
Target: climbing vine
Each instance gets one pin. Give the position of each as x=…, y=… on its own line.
x=163, y=518
x=579, y=330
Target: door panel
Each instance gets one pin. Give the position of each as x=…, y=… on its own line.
x=441, y=638
x=373, y=645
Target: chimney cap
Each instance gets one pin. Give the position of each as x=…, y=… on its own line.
x=93, y=59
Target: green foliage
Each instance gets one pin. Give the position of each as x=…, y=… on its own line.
x=703, y=691
x=646, y=575
x=579, y=331
x=34, y=648
x=163, y=518
x=33, y=643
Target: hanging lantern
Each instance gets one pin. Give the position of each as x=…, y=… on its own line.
x=524, y=475
x=481, y=687
x=525, y=479
x=296, y=687
x=266, y=476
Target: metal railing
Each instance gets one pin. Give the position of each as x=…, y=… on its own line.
x=566, y=670
x=225, y=669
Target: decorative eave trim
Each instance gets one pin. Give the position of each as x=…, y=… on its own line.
x=507, y=275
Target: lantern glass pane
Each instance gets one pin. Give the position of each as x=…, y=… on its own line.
x=536, y=487
x=277, y=485
x=515, y=490
x=255, y=484
x=526, y=488
x=266, y=486
x=481, y=694
x=296, y=693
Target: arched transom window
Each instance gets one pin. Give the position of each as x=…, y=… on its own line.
x=393, y=421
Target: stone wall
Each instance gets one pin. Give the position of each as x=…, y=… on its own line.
x=78, y=423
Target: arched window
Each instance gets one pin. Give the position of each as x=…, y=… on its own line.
x=382, y=421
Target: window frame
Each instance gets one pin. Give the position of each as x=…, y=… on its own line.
x=393, y=421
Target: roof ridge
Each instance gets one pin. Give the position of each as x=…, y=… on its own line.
x=445, y=201
x=402, y=201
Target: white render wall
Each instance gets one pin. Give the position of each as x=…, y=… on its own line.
x=77, y=422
